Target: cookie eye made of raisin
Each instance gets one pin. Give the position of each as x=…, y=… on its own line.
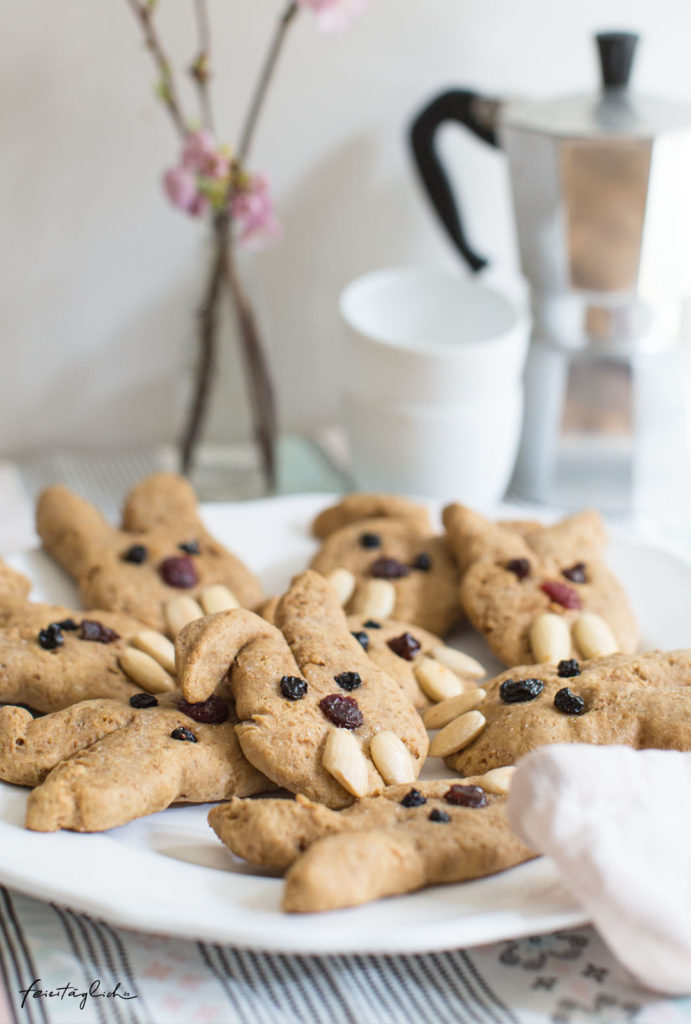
x=576, y=573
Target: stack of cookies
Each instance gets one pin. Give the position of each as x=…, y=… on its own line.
x=182, y=682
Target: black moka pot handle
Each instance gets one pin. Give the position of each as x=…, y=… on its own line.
x=466, y=108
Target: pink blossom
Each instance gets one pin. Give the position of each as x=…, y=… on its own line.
x=335, y=15
x=181, y=188
x=198, y=149
x=253, y=211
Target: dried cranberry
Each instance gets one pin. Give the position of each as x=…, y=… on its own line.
x=293, y=687
x=179, y=571
x=68, y=625
x=92, y=630
x=389, y=569
x=137, y=554
x=342, y=711
x=569, y=702
x=562, y=594
x=362, y=639
x=422, y=562
x=370, y=540
x=181, y=733
x=348, y=680
x=576, y=573
x=436, y=815
x=51, y=637
x=212, y=711
x=466, y=796
x=568, y=668
x=143, y=700
x=520, y=567
x=405, y=646
x=518, y=691
x=190, y=547
x=371, y=624
x=413, y=798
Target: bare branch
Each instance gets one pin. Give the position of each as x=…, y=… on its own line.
x=200, y=68
x=167, y=91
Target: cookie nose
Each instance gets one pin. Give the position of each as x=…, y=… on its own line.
x=179, y=571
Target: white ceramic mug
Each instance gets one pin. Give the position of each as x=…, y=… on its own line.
x=432, y=384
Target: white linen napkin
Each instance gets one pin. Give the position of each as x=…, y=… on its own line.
x=617, y=822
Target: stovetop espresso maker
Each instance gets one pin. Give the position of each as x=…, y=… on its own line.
x=602, y=196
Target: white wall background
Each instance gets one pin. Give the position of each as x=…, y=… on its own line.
x=100, y=276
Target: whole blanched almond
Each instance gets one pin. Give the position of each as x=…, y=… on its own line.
x=497, y=780
x=550, y=638
x=145, y=671
x=343, y=758
x=218, y=598
x=457, y=734
x=441, y=714
x=593, y=636
x=391, y=758
x=343, y=582
x=157, y=646
x=436, y=680
x=460, y=663
x=180, y=611
x=376, y=600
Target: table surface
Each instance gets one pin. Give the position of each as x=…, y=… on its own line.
x=60, y=967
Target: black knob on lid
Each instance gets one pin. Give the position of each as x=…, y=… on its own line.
x=617, y=51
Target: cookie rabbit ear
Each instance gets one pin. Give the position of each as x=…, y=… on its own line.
x=206, y=648
x=14, y=588
x=472, y=537
x=163, y=499
x=576, y=536
x=72, y=530
x=355, y=507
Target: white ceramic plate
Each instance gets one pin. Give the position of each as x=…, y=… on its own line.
x=168, y=873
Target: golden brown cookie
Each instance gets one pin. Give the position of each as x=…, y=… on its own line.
x=540, y=593
x=162, y=567
x=382, y=556
x=637, y=700
x=399, y=841
x=101, y=763
x=317, y=716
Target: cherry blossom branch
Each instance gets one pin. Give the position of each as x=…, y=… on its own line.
x=168, y=93
x=200, y=67
x=264, y=80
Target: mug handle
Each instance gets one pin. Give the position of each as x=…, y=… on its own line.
x=473, y=111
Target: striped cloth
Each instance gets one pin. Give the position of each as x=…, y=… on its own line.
x=61, y=967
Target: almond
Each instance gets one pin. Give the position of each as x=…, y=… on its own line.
x=437, y=681
x=180, y=611
x=157, y=646
x=343, y=758
x=343, y=582
x=497, y=780
x=441, y=714
x=457, y=734
x=376, y=599
x=391, y=758
x=218, y=599
x=460, y=663
x=593, y=636
x=550, y=638
x=145, y=671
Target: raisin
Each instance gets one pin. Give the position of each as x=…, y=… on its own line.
x=436, y=815
x=137, y=554
x=342, y=711
x=190, y=547
x=181, y=733
x=68, y=625
x=466, y=796
x=422, y=562
x=370, y=540
x=576, y=573
x=293, y=688
x=518, y=691
x=362, y=639
x=143, y=700
x=520, y=567
x=562, y=594
x=212, y=711
x=90, y=629
x=179, y=571
x=413, y=798
x=405, y=646
x=389, y=569
x=348, y=680
x=569, y=702
x=51, y=637
x=371, y=624
x=568, y=668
